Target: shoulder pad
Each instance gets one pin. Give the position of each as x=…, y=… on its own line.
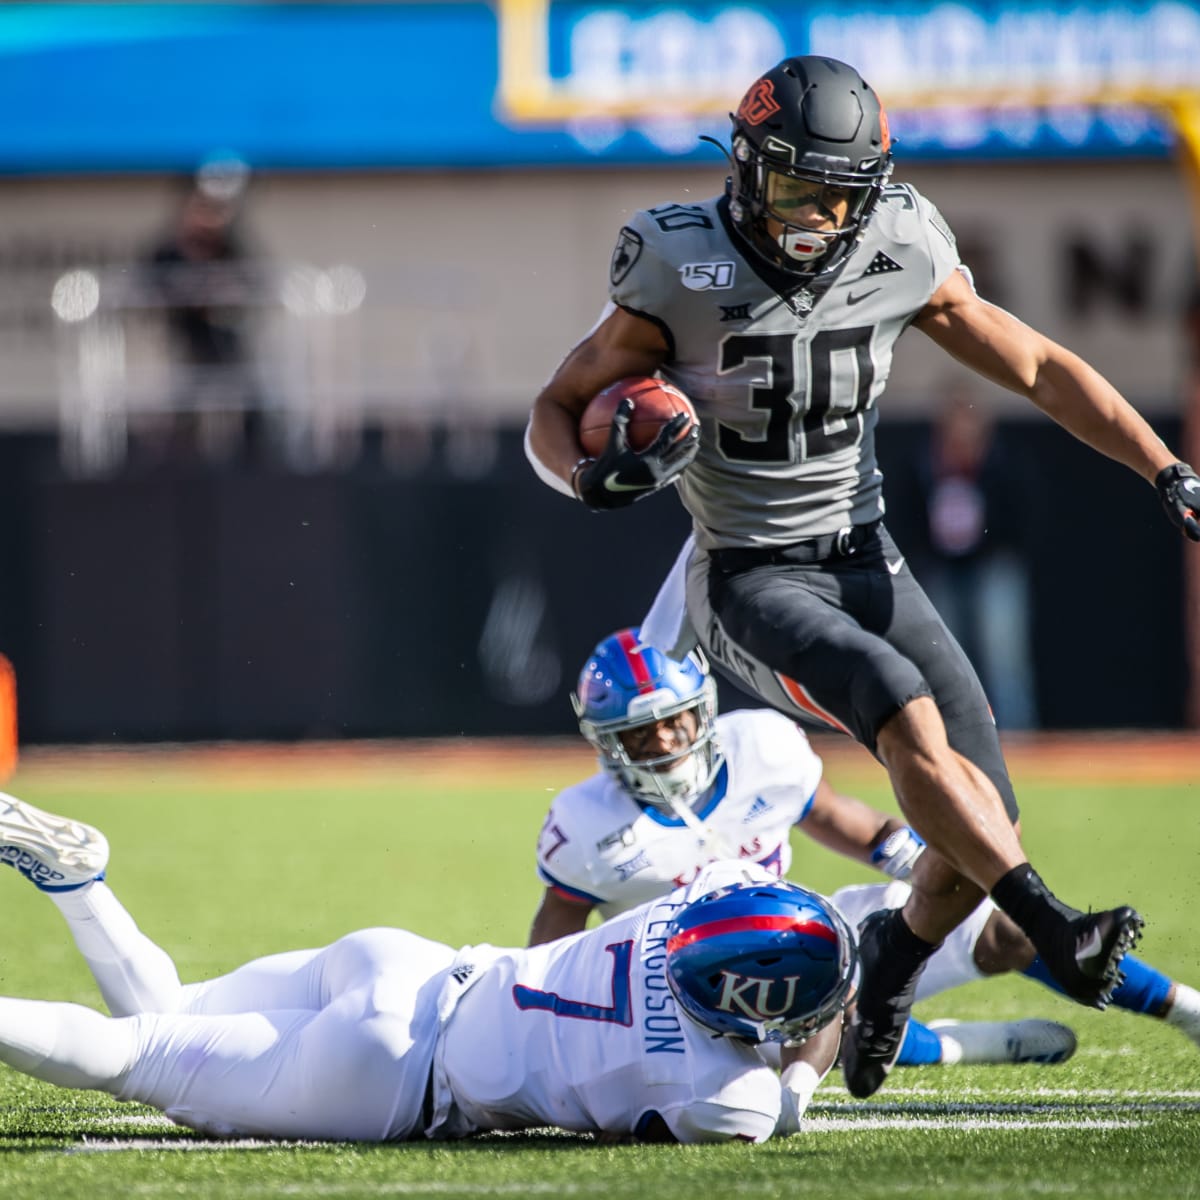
x=905, y=217
x=902, y=194
x=766, y=735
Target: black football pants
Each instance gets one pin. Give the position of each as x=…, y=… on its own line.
x=845, y=641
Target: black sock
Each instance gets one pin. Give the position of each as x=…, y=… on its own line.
x=1032, y=905
x=903, y=943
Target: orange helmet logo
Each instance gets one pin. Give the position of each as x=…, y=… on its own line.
x=885, y=134
x=758, y=103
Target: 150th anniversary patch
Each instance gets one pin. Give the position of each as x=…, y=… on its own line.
x=707, y=276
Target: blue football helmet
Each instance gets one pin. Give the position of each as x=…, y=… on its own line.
x=626, y=685
x=764, y=962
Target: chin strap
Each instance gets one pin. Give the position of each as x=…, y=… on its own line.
x=719, y=844
x=712, y=141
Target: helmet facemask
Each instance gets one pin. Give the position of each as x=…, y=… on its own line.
x=661, y=780
x=768, y=192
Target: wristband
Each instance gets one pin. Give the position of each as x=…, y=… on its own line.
x=897, y=853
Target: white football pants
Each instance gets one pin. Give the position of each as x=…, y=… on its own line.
x=335, y=1043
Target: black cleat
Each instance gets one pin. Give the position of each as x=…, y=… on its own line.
x=880, y=1017
x=1086, y=962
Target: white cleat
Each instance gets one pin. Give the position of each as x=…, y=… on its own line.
x=55, y=853
x=1028, y=1041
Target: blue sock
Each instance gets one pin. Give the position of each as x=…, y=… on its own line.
x=921, y=1046
x=1144, y=990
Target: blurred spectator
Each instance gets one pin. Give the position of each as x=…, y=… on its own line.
x=976, y=507
x=201, y=274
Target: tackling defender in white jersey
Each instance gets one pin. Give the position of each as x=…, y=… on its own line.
x=681, y=786
x=645, y=1027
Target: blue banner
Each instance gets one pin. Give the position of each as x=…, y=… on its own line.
x=145, y=87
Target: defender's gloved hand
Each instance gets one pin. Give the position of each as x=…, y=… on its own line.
x=622, y=475
x=898, y=852
x=1178, y=488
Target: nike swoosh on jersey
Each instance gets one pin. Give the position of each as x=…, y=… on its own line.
x=614, y=485
x=894, y=568
x=851, y=298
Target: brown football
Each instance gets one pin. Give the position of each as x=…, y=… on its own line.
x=655, y=402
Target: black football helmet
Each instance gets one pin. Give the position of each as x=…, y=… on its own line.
x=808, y=132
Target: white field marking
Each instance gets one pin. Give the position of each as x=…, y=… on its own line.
x=849, y=1124
x=1052, y=1112
x=430, y=1187
x=1082, y=1095
x=427, y=1187
x=145, y=1120
x=107, y=1146
x=420, y=1187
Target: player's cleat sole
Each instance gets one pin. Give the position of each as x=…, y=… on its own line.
x=880, y=1016
x=1027, y=1041
x=55, y=853
x=1086, y=964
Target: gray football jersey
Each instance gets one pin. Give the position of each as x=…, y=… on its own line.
x=785, y=387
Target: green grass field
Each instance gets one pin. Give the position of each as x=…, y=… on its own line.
x=222, y=859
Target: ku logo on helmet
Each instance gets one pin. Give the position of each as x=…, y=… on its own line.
x=751, y=996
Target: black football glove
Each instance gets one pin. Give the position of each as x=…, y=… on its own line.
x=1179, y=490
x=622, y=475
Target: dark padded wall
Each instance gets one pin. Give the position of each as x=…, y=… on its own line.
x=251, y=603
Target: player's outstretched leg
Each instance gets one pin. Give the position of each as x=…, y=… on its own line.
x=1143, y=990
x=891, y=959
x=1030, y=1040
x=55, y=853
x=950, y=1043
x=1081, y=951
x=959, y=811
x=66, y=1044
x=66, y=859
x=1183, y=1011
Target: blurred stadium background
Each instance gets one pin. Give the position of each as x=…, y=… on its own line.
x=319, y=522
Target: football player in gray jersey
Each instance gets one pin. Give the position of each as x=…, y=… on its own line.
x=776, y=307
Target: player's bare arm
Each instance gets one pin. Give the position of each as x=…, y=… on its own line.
x=621, y=345
x=847, y=826
x=557, y=917
x=802, y=1067
x=819, y=1051
x=1005, y=350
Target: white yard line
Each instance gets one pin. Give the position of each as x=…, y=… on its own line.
x=900, y=1122
x=1080, y=1095
x=913, y=1108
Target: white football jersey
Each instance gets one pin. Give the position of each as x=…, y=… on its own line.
x=598, y=845
x=584, y=1033
x=784, y=378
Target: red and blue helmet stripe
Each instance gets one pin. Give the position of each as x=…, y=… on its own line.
x=623, y=670
x=765, y=962
x=627, y=683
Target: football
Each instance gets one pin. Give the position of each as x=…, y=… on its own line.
x=655, y=402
